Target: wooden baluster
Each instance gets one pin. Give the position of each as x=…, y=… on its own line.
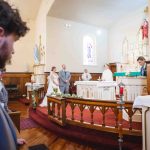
x=42, y=93
x=49, y=108
x=72, y=108
x=92, y=111
x=81, y=114
x=130, y=114
x=58, y=109
x=63, y=105
x=103, y=118
x=53, y=109
x=116, y=117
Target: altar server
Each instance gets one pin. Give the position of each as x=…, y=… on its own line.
x=86, y=76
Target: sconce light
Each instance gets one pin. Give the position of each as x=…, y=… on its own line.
x=68, y=25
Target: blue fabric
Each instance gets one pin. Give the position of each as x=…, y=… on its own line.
x=8, y=138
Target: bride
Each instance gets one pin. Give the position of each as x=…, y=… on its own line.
x=53, y=83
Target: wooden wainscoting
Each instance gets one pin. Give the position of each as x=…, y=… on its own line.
x=113, y=68
x=18, y=79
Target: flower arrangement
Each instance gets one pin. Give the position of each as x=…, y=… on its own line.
x=65, y=95
x=55, y=90
x=34, y=104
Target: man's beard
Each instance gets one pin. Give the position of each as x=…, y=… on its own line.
x=4, y=55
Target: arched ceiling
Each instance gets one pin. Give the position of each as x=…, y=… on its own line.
x=95, y=12
x=27, y=8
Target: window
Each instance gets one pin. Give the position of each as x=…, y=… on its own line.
x=89, y=51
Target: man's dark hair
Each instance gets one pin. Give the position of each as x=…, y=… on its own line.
x=11, y=21
x=141, y=58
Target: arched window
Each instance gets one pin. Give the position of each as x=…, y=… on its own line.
x=89, y=51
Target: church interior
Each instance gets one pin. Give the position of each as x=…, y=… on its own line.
x=80, y=78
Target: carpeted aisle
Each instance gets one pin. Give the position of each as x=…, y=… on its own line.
x=27, y=123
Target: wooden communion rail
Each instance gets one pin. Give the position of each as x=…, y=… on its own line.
x=57, y=112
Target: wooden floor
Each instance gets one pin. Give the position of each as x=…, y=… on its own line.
x=36, y=136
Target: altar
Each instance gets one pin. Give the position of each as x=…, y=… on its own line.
x=102, y=90
x=144, y=103
x=32, y=86
x=134, y=86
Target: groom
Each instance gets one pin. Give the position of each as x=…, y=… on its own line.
x=64, y=80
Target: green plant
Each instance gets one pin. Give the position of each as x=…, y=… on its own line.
x=55, y=90
x=34, y=104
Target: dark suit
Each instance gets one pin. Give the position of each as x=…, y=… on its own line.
x=143, y=70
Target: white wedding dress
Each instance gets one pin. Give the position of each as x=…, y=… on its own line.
x=53, y=83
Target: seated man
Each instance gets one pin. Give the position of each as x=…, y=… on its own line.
x=86, y=76
x=142, y=62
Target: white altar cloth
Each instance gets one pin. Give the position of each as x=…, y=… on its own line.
x=134, y=86
x=144, y=103
x=32, y=86
x=102, y=90
x=141, y=101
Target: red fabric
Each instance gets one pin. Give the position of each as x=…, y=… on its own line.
x=144, y=28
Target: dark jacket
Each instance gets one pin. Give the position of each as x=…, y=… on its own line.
x=8, y=138
x=143, y=70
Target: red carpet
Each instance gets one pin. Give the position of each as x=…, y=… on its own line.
x=27, y=123
x=98, y=139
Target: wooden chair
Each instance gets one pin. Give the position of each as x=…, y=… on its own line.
x=15, y=116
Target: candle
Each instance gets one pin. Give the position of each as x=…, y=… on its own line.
x=121, y=90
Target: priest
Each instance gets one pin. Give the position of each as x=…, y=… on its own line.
x=107, y=74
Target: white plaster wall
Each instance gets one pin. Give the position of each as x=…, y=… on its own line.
x=65, y=45
x=127, y=27
x=41, y=21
